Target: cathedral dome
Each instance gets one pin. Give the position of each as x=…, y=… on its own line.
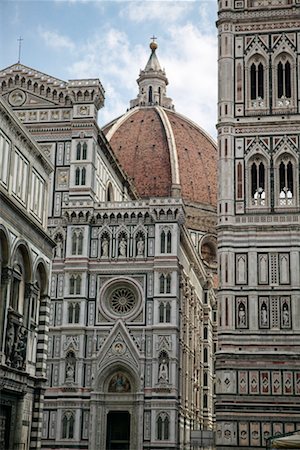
x=165, y=153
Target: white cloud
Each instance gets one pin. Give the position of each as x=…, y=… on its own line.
x=188, y=54
x=56, y=40
x=162, y=11
x=190, y=59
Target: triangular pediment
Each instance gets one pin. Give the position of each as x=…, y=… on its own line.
x=25, y=71
x=22, y=98
x=118, y=347
x=22, y=86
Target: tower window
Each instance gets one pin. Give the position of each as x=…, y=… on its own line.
x=284, y=80
x=257, y=82
x=286, y=182
x=258, y=194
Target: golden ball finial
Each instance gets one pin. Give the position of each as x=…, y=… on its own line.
x=153, y=44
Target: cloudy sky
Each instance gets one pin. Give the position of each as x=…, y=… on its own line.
x=109, y=40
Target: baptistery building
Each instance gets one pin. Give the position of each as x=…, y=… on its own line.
x=132, y=210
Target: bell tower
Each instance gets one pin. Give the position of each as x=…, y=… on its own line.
x=257, y=363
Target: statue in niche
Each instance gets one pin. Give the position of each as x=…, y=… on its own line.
x=59, y=249
x=122, y=247
x=264, y=315
x=19, y=352
x=285, y=315
x=10, y=338
x=140, y=246
x=242, y=315
x=104, y=246
x=163, y=372
x=119, y=383
x=70, y=372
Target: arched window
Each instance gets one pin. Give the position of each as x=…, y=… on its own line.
x=77, y=313
x=150, y=95
x=162, y=284
x=77, y=243
x=73, y=312
x=205, y=355
x=78, y=151
x=80, y=176
x=258, y=194
x=284, y=80
x=286, y=181
x=168, y=312
x=75, y=284
x=84, y=150
x=168, y=283
x=72, y=285
x=159, y=96
x=77, y=176
x=70, y=312
x=161, y=312
x=162, y=241
x=68, y=425
x=83, y=175
x=205, y=333
x=205, y=379
x=239, y=180
x=163, y=425
x=109, y=193
x=256, y=82
x=169, y=241
x=164, y=312
x=205, y=401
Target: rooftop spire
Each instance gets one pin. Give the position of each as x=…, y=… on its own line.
x=152, y=83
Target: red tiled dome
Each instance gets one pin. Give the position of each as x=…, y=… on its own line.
x=162, y=150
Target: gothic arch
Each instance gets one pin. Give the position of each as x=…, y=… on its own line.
x=257, y=178
x=284, y=78
x=104, y=377
x=285, y=178
x=257, y=80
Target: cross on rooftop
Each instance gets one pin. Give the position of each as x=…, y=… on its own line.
x=20, y=46
x=154, y=38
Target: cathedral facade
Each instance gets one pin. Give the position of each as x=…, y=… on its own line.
x=133, y=310
x=257, y=363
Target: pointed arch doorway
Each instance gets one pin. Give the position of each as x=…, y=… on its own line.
x=118, y=430
x=117, y=410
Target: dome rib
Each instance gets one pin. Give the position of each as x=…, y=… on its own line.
x=172, y=150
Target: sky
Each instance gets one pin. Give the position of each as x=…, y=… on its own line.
x=109, y=40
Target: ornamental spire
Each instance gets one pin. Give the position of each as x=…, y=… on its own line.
x=152, y=83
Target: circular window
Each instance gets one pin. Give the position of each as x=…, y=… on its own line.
x=208, y=250
x=122, y=300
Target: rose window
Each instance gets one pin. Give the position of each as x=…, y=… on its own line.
x=122, y=300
